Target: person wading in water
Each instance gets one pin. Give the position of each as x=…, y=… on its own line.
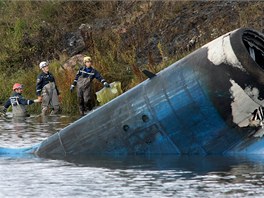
x=18, y=102
x=47, y=91
x=84, y=81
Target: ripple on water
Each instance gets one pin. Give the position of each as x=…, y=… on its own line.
x=135, y=176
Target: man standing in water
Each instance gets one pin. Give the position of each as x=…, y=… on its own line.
x=84, y=81
x=18, y=102
x=47, y=90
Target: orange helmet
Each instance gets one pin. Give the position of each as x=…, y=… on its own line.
x=17, y=86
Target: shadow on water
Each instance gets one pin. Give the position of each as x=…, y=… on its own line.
x=187, y=167
x=195, y=164
x=28, y=133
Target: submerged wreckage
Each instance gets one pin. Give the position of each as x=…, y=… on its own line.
x=209, y=102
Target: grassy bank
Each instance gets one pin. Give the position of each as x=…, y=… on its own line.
x=64, y=79
x=125, y=37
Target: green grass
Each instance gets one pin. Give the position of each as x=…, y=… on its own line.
x=32, y=31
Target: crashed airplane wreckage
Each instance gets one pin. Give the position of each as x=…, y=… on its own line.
x=202, y=104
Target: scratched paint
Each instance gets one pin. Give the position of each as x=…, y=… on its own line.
x=220, y=51
x=242, y=105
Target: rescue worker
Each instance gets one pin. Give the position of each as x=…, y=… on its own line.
x=84, y=81
x=18, y=102
x=47, y=91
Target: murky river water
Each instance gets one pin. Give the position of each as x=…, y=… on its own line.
x=152, y=176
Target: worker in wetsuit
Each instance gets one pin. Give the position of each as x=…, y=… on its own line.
x=47, y=91
x=84, y=81
x=18, y=102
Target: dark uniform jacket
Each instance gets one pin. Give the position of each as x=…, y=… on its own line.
x=90, y=72
x=17, y=99
x=44, y=79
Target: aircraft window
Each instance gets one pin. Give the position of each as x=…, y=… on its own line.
x=125, y=127
x=145, y=118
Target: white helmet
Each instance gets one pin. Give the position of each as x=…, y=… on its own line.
x=87, y=59
x=43, y=64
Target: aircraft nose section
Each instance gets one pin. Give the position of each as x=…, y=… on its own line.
x=247, y=83
x=251, y=56
x=254, y=44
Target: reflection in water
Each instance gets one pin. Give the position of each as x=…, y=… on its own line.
x=19, y=132
x=198, y=164
x=132, y=176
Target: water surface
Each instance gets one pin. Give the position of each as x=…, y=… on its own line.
x=133, y=176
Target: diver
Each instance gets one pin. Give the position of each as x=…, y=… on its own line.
x=18, y=102
x=84, y=81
